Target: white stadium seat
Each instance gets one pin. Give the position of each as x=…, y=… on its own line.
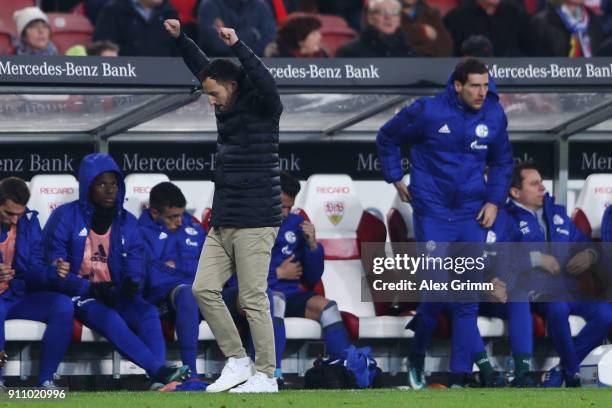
x=137, y=189
x=23, y=330
x=49, y=191
x=331, y=203
x=595, y=196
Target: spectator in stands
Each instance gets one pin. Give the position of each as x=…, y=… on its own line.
x=103, y=49
x=424, y=30
x=93, y=9
x=136, y=26
x=61, y=6
x=606, y=225
x=350, y=10
x=34, y=32
x=252, y=20
x=94, y=254
x=298, y=36
x=501, y=22
x=477, y=46
x=382, y=36
x=246, y=211
x=22, y=277
x=296, y=268
x=556, y=274
x=566, y=28
x=438, y=131
x=173, y=243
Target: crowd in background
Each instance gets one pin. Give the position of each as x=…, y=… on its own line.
x=303, y=28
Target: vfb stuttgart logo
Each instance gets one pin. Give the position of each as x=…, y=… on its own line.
x=334, y=211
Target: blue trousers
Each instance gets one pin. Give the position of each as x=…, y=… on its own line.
x=598, y=316
x=56, y=311
x=187, y=321
x=132, y=327
x=520, y=323
x=466, y=340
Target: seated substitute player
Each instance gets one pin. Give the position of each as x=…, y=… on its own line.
x=94, y=253
x=606, y=225
x=22, y=276
x=173, y=242
x=556, y=273
x=296, y=267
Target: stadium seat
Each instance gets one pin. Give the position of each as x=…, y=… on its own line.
x=298, y=328
x=335, y=32
x=24, y=330
x=49, y=191
x=8, y=7
x=69, y=29
x=137, y=189
x=444, y=6
x=399, y=220
x=7, y=33
x=330, y=202
x=595, y=196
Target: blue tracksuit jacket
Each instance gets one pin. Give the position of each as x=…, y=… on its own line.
x=66, y=232
x=450, y=146
x=182, y=246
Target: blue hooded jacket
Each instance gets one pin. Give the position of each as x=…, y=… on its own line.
x=28, y=261
x=182, y=246
x=606, y=225
x=68, y=227
x=561, y=229
x=450, y=146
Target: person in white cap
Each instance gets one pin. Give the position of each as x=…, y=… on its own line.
x=34, y=32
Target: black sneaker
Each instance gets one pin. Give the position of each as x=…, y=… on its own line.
x=167, y=374
x=573, y=382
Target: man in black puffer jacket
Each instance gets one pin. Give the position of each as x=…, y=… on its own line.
x=246, y=211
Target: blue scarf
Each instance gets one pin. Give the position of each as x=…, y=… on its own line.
x=580, y=42
x=23, y=49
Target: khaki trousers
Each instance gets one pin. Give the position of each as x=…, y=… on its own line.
x=246, y=251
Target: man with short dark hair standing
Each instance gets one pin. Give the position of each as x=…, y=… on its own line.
x=246, y=211
x=453, y=137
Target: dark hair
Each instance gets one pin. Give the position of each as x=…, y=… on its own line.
x=295, y=28
x=477, y=46
x=517, y=176
x=14, y=189
x=468, y=66
x=166, y=195
x=221, y=70
x=96, y=48
x=289, y=184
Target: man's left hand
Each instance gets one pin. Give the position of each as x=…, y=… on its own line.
x=580, y=262
x=309, y=234
x=228, y=36
x=487, y=215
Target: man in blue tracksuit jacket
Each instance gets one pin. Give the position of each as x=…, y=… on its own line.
x=606, y=225
x=297, y=266
x=453, y=137
x=23, y=283
x=94, y=253
x=555, y=274
x=173, y=243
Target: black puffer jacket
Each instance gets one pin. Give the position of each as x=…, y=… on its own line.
x=247, y=181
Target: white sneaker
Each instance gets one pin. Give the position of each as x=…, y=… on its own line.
x=236, y=371
x=258, y=383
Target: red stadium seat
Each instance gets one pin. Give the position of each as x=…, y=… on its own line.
x=7, y=33
x=335, y=32
x=8, y=7
x=444, y=6
x=69, y=29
